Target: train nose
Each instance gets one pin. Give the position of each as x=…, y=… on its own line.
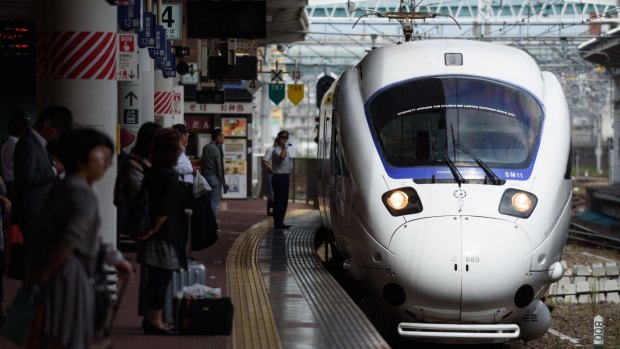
x=460, y=268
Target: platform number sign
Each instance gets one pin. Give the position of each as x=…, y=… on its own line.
x=171, y=20
x=295, y=74
x=252, y=85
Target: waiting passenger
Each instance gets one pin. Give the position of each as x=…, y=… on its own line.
x=65, y=246
x=131, y=172
x=213, y=168
x=161, y=249
x=35, y=168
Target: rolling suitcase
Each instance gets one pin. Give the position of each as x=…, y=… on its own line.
x=194, y=274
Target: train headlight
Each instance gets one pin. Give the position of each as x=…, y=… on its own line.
x=517, y=203
x=402, y=201
x=397, y=200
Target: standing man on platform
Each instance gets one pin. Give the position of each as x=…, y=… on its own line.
x=184, y=167
x=281, y=165
x=35, y=169
x=213, y=168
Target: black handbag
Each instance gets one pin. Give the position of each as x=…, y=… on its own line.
x=137, y=216
x=204, y=225
x=205, y=316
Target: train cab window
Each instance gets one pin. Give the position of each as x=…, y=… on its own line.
x=416, y=121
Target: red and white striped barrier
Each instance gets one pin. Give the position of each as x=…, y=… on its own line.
x=163, y=102
x=76, y=55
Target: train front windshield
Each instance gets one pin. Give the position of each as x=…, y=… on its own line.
x=420, y=122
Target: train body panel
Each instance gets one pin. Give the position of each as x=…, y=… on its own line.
x=443, y=179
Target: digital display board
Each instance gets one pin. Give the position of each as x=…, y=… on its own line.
x=17, y=40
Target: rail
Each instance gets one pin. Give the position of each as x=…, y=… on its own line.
x=581, y=233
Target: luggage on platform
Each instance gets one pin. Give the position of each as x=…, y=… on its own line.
x=204, y=316
x=195, y=273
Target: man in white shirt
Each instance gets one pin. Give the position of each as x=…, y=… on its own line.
x=280, y=167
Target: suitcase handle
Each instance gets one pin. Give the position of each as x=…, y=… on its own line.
x=188, y=245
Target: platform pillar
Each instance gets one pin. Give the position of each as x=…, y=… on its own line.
x=76, y=68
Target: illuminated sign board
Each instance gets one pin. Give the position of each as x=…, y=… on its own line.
x=17, y=39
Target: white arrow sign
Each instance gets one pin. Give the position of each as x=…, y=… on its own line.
x=252, y=85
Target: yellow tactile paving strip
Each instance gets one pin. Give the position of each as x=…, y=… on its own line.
x=254, y=324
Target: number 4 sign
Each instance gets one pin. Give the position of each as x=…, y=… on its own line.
x=252, y=85
x=171, y=20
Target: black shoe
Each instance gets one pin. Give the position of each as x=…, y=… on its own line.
x=281, y=226
x=149, y=328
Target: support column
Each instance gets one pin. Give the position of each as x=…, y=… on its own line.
x=76, y=68
x=147, y=77
x=163, y=99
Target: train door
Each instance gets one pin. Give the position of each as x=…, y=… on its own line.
x=325, y=119
x=491, y=250
x=339, y=208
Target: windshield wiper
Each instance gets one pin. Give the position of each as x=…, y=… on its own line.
x=455, y=171
x=490, y=174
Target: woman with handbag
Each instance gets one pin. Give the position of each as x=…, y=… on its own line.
x=161, y=249
x=131, y=172
x=64, y=250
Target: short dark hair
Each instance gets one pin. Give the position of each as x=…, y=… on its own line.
x=180, y=128
x=144, y=141
x=166, y=147
x=19, y=123
x=74, y=146
x=216, y=132
x=60, y=117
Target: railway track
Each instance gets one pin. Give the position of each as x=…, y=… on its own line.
x=584, y=234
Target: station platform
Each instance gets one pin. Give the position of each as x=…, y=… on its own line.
x=283, y=297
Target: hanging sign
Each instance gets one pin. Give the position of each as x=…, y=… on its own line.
x=276, y=75
x=171, y=20
x=159, y=50
x=130, y=17
x=146, y=37
x=252, y=85
x=190, y=78
x=295, y=74
x=276, y=93
x=295, y=93
x=127, y=57
x=167, y=63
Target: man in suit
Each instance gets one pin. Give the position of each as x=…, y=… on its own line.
x=35, y=170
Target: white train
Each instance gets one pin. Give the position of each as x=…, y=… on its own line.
x=444, y=179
